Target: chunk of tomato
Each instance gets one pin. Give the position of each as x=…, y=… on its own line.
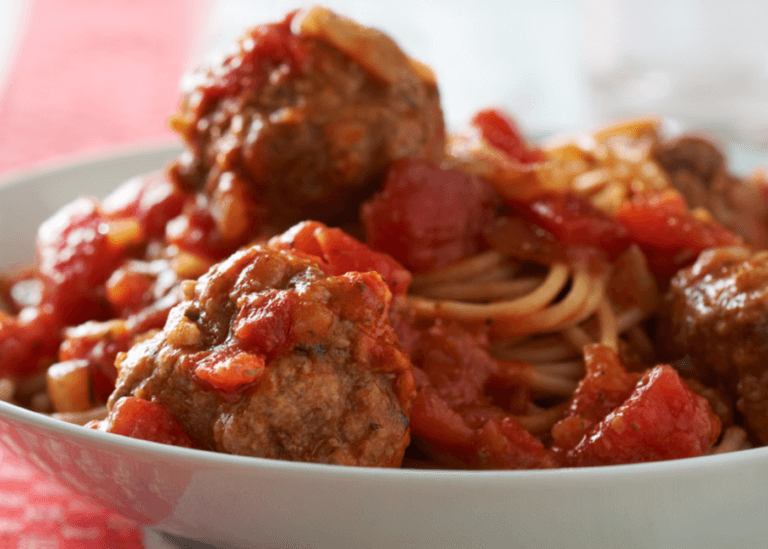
x=75, y=253
x=662, y=419
x=605, y=386
x=499, y=130
x=231, y=369
x=575, y=223
x=268, y=46
x=453, y=413
x=152, y=199
x=427, y=217
x=28, y=342
x=670, y=236
x=339, y=253
x=137, y=418
x=265, y=321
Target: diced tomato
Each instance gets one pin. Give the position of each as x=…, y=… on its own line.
x=453, y=412
x=268, y=46
x=29, y=332
x=195, y=231
x=456, y=362
x=427, y=217
x=575, y=223
x=605, y=386
x=302, y=238
x=98, y=343
x=22, y=289
x=230, y=370
x=496, y=442
x=129, y=289
x=434, y=421
x=670, y=236
x=265, y=321
x=523, y=240
x=346, y=254
x=137, y=418
x=663, y=419
x=339, y=253
x=151, y=199
x=76, y=254
x=505, y=444
x=28, y=341
x=498, y=129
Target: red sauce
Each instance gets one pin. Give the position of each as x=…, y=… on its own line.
x=500, y=130
x=75, y=253
x=427, y=217
x=137, y=418
x=453, y=411
x=662, y=419
x=669, y=234
x=604, y=387
x=98, y=345
x=263, y=49
x=338, y=253
x=575, y=223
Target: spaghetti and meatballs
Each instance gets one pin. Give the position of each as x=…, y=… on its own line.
x=322, y=275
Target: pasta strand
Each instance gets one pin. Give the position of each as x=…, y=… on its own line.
x=471, y=312
x=463, y=269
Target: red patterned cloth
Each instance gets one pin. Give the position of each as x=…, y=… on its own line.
x=90, y=75
x=36, y=513
x=87, y=76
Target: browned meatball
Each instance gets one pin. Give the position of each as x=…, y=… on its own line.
x=697, y=169
x=269, y=357
x=717, y=325
x=301, y=121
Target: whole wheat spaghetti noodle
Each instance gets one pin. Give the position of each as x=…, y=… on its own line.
x=734, y=438
x=468, y=268
x=523, y=306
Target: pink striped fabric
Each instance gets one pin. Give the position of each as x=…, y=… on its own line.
x=90, y=75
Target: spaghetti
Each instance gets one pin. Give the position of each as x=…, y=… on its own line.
x=541, y=308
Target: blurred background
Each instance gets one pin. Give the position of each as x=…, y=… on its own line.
x=77, y=75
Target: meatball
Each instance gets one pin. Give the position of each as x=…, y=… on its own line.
x=697, y=169
x=301, y=121
x=269, y=357
x=717, y=325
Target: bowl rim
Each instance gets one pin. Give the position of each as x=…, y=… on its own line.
x=86, y=159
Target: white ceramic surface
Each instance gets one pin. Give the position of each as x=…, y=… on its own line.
x=231, y=501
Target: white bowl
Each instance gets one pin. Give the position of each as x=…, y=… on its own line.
x=231, y=501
